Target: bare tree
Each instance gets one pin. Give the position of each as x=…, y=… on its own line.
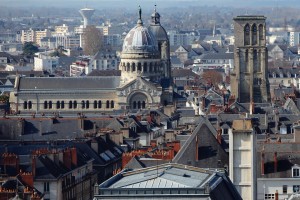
x=92, y=40
x=212, y=77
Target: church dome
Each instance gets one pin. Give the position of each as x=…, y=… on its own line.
x=156, y=29
x=140, y=40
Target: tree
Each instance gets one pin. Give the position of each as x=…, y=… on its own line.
x=212, y=77
x=29, y=49
x=59, y=52
x=92, y=40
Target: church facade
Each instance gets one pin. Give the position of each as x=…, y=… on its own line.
x=145, y=80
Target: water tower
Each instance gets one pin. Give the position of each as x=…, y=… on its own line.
x=86, y=13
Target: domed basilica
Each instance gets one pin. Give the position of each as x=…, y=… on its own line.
x=145, y=80
x=145, y=65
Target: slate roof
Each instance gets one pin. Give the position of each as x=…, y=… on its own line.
x=67, y=83
x=183, y=73
x=205, y=133
x=105, y=73
x=172, y=177
x=215, y=56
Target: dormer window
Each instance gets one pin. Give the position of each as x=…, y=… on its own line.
x=296, y=171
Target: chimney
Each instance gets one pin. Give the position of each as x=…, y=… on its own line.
x=67, y=158
x=213, y=108
x=276, y=195
x=297, y=134
x=251, y=109
x=41, y=128
x=81, y=123
x=125, y=132
x=262, y=163
x=275, y=162
x=74, y=156
x=94, y=145
x=276, y=122
x=33, y=165
x=219, y=136
x=203, y=103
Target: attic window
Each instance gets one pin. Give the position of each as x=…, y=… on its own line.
x=296, y=172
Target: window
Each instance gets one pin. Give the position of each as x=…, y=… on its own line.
x=254, y=34
x=70, y=104
x=107, y=104
x=247, y=35
x=25, y=105
x=62, y=105
x=296, y=172
x=296, y=188
x=82, y=104
x=29, y=105
x=99, y=104
x=284, y=189
x=57, y=105
x=87, y=104
x=50, y=104
x=112, y=104
x=46, y=186
x=75, y=104
x=45, y=104
x=269, y=196
x=95, y=104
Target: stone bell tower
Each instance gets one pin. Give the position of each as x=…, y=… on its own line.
x=249, y=79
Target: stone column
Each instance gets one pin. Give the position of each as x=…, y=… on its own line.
x=250, y=65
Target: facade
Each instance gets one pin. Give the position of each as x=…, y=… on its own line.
x=182, y=38
x=145, y=80
x=39, y=35
x=294, y=38
x=249, y=80
x=45, y=63
x=28, y=36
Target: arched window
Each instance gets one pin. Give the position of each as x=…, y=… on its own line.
x=29, y=105
x=143, y=104
x=139, y=67
x=107, y=104
x=133, y=67
x=82, y=104
x=25, y=105
x=145, y=67
x=75, y=104
x=247, y=35
x=128, y=67
x=50, y=104
x=45, y=105
x=134, y=105
x=95, y=104
x=254, y=34
x=62, y=105
x=261, y=33
x=57, y=105
x=139, y=104
x=112, y=104
x=70, y=104
x=99, y=104
x=87, y=104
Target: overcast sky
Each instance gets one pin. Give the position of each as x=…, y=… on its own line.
x=133, y=3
